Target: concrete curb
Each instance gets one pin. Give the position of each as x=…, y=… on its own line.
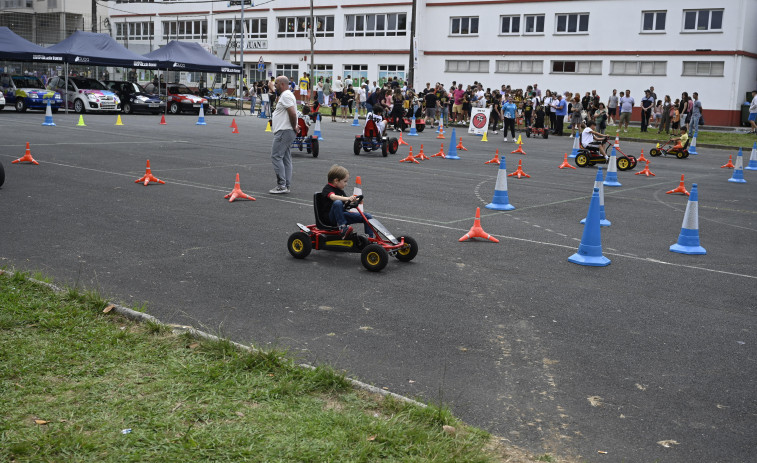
x=197, y=334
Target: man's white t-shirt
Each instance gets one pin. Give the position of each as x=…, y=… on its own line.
x=280, y=114
x=338, y=85
x=480, y=99
x=753, y=106
x=587, y=137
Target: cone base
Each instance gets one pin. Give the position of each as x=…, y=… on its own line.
x=500, y=207
x=749, y=167
x=611, y=183
x=48, y=123
x=452, y=156
x=201, y=123
x=694, y=250
x=736, y=180
x=573, y=154
x=592, y=261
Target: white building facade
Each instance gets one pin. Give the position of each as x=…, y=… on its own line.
x=562, y=45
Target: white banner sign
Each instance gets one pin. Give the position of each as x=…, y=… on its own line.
x=479, y=120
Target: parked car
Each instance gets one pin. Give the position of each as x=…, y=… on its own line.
x=86, y=94
x=27, y=92
x=179, y=98
x=2, y=101
x=134, y=97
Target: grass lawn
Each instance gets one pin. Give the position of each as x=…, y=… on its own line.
x=83, y=385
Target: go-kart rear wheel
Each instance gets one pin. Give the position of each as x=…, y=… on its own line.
x=357, y=146
x=394, y=145
x=624, y=163
x=384, y=148
x=655, y=152
x=681, y=154
x=633, y=161
x=299, y=245
x=419, y=128
x=314, y=148
x=545, y=133
x=2, y=175
x=409, y=251
x=581, y=160
x=374, y=257
x=528, y=132
x=686, y=154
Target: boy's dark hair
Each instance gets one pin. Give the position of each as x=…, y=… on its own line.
x=305, y=110
x=592, y=123
x=337, y=172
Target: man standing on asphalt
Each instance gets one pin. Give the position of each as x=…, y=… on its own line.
x=647, y=104
x=753, y=112
x=560, y=106
x=626, y=107
x=285, y=129
x=696, y=113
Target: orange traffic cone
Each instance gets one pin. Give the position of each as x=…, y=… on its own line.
x=681, y=188
x=565, y=163
x=234, y=128
x=440, y=154
x=441, y=130
x=421, y=155
x=410, y=157
x=519, y=171
x=401, y=141
x=162, y=119
x=237, y=193
x=642, y=158
x=495, y=159
x=460, y=145
x=476, y=231
x=645, y=170
x=148, y=177
x=27, y=157
x=729, y=164
x=520, y=147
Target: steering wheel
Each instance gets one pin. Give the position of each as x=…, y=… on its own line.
x=353, y=204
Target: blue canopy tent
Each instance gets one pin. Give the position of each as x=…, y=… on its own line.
x=189, y=56
x=13, y=47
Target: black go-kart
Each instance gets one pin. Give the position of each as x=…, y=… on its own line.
x=374, y=251
x=305, y=141
x=405, y=122
x=372, y=140
x=591, y=155
x=536, y=132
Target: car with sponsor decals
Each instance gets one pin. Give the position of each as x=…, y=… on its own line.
x=86, y=94
x=27, y=92
x=134, y=97
x=2, y=101
x=179, y=98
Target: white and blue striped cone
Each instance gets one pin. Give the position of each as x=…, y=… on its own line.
x=201, y=119
x=261, y=113
x=612, y=170
x=501, y=200
x=688, y=240
x=752, y=159
x=693, y=145
x=452, y=151
x=355, y=122
x=590, y=249
x=413, y=130
x=48, y=116
x=598, y=184
x=738, y=170
x=317, y=131
x=441, y=126
x=574, y=153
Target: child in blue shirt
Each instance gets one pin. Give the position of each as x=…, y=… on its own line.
x=334, y=190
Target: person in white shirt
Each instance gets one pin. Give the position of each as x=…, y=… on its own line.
x=753, y=112
x=338, y=87
x=361, y=95
x=285, y=128
x=591, y=138
x=377, y=118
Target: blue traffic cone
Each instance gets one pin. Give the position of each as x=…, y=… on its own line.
x=413, y=130
x=590, y=249
x=753, y=159
x=693, y=145
x=261, y=113
x=48, y=116
x=355, y=122
x=452, y=151
x=688, y=240
x=738, y=170
x=501, y=201
x=574, y=153
x=612, y=170
x=317, y=131
x=201, y=119
x=598, y=184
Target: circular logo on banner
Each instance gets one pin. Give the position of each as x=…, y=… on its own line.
x=479, y=121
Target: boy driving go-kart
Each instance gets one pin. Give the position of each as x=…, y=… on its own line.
x=592, y=150
x=591, y=139
x=680, y=149
x=338, y=213
x=374, y=134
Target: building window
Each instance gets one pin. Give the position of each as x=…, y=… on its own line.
x=509, y=25
x=577, y=67
x=290, y=70
x=135, y=31
x=703, y=68
x=388, y=71
x=653, y=21
x=638, y=68
x=255, y=28
x=702, y=20
x=534, y=24
x=178, y=30
x=573, y=23
x=299, y=26
x=325, y=71
x=520, y=66
x=481, y=66
x=372, y=25
x=464, y=26
x=356, y=73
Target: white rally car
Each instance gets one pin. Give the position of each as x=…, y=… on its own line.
x=86, y=94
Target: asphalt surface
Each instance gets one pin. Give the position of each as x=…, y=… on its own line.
x=651, y=358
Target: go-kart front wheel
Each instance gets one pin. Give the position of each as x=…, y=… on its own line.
x=374, y=257
x=394, y=145
x=682, y=154
x=313, y=148
x=655, y=152
x=581, y=160
x=299, y=245
x=419, y=128
x=2, y=174
x=545, y=133
x=409, y=251
x=357, y=146
x=384, y=148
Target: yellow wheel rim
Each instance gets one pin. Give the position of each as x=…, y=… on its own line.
x=297, y=245
x=623, y=163
x=404, y=251
x=373, y=258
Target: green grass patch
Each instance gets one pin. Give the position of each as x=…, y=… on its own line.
x=75, y=379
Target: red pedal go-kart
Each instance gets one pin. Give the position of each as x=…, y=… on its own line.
x=670, y=148
x=374, y=251
x=372, y=140
x=536, y=131
x=405, y=121
x=591, y=155
x=305, y=141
